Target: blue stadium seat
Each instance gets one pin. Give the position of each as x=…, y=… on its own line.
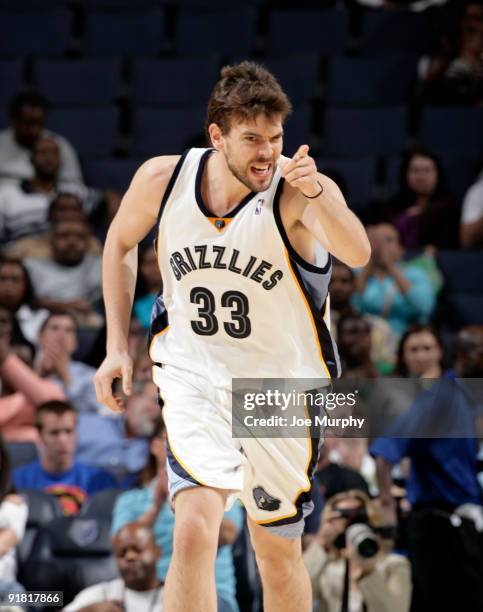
x=119, y=5
x=110, y=173
x=20, y=453
x=297, y=131
x=371, y=81
x=359, y=176
x=362, y=132
x=173, y=82
x=211, y=33
x=166, y=131
x=79, y=82
x=453, y=130
x=297, y=75
x=11, y=78
x=307, y=31
x=92, y=131
x=124, y=34
x=393, y=31
x=463, y=310
x=43, y=508
x=463, y=272
x=35, y=32
x=101, y=504
x=70, y=554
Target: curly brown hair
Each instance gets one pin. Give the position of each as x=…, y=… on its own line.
x=245, y=91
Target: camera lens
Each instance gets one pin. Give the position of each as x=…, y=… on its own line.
x=363, y=540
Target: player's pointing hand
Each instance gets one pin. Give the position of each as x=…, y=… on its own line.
x=301, y=172
x=115, y=365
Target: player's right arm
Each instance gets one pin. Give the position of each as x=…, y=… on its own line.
x=137, y=214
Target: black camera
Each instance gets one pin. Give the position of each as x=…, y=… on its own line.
x=358, y=532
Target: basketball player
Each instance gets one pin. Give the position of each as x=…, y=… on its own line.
x=244, y=243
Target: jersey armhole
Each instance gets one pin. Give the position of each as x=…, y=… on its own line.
x=283, y=234
x=171, y=183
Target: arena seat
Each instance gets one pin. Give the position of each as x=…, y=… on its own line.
x=393, y=31
x=292, y=32
x=109, y=173
x=42, y=32
x=297, y=131
x=371, y=81
x=101, y=504
x=70, y=554
x=298, y=76
x=165, y=131
x=78, y=82
x=92, y=131
x=119, y=5
x=453, y=130
x=359, y=132
x=124, y=33
x=230, y=33
x=20, y=453
x=43, y=508
x=11, y=78
x=359, y=176
x=173, y=82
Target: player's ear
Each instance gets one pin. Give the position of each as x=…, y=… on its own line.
x=216, y=136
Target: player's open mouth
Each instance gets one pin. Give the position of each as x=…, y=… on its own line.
x=261, y=170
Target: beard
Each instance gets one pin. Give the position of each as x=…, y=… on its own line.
x=242, y=175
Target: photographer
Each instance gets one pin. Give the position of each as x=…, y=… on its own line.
x=350, y=564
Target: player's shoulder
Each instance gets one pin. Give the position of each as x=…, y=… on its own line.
x=158, y=168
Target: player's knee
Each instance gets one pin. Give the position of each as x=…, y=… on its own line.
x=277, y=565
x=194, y=535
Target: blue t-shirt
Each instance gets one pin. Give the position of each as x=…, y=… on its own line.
x=443, y=469
x=72, y=487
x=130, y=505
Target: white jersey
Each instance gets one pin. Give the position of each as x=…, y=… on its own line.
x=237, y=300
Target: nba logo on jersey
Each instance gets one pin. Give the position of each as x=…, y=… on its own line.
x=259, y=207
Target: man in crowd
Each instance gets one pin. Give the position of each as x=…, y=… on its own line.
x=57, y=343
x=71, y=278
x=438, y=434
x=57, y=471
x=138, y=589
x=28, y=114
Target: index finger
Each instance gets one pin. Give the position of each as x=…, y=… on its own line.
x=103, y=386
x=302, y=151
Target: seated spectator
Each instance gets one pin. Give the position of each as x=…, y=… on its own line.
x=459, y=79
x=423, y=210
x=17, y=295
x=71, y=278
x=439, y=434
x=120, y=444
x=57, y=471
x=64, y=207
x=420, y=353
x=138, y=589
x=471, y=228
x=22, y=390
x=13, y=520
x=149, y=285
x=383, y=339
x=374, y=579
x=28, y=113
x=149, y=506
x=354, y=342
x=387, y=287
x=57, y=342
x=24, y=206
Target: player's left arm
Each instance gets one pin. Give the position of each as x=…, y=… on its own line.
x=326, y=216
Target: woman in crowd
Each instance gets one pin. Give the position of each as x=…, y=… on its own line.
x=423, y=210
x=420, y=353
x=388, y=287
x=356, y=572
x=13, y=519
x=17, y=294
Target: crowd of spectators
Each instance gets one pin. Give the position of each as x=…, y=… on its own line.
x=420, y=497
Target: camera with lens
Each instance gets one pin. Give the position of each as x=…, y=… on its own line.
x=358, y=532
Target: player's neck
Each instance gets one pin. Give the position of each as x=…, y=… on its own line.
x=220, y=190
